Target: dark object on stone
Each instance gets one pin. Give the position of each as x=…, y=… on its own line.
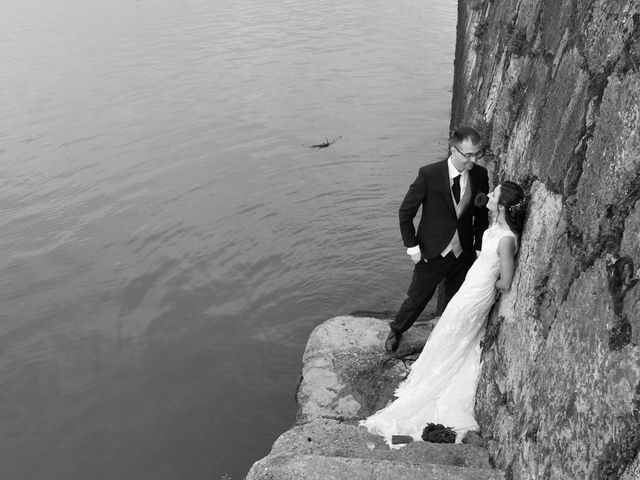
x=438, y=433
x=391, y=344
x=398, y=439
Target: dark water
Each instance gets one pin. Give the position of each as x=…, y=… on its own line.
x=168, y=242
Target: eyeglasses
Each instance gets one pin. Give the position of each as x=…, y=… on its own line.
x=469, y=156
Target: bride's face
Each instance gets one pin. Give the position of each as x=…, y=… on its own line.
x=492, y=203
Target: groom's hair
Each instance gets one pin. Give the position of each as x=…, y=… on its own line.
x=461, y=134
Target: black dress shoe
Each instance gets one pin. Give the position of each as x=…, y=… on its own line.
x=391, y=344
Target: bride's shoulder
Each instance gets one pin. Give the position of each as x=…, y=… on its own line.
x=507, y=245
x=502, y=229
x=508, y=232
x=509, y=240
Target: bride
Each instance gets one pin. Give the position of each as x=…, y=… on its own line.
x=441, y=386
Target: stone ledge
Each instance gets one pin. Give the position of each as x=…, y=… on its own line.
x=347, y=374
x=332, y=438
x=317, y=467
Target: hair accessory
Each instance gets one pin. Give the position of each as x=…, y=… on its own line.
x=521, y=205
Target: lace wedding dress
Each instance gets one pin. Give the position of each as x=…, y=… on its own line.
x=441, y=386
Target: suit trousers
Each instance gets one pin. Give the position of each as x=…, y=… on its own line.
x=427, y=275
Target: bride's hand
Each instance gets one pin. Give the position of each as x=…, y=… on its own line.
x=502, y=286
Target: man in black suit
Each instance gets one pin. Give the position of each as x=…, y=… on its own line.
x=450, y=230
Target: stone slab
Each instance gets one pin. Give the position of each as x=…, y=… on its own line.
x=316, y=467
x=338, y=439
x=347, y=374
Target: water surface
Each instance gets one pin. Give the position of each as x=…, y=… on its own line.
x=169, y=241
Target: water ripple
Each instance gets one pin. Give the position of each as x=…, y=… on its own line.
x=170, y=241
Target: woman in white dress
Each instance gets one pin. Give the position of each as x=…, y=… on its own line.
x=441, y=386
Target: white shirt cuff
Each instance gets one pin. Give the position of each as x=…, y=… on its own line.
x=413, y=250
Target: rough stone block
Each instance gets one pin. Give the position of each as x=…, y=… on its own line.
x=630, y=248
x=338, y=439
x=315, y=467
x=633, y=471
x=606, y=32
x=346, y=372
x=611, y=166
x=561, y=122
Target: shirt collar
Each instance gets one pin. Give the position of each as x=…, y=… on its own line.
x=453, y=171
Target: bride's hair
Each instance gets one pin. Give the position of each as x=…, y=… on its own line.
x=514, y=201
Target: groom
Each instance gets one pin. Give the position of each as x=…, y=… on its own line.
x=450, y=230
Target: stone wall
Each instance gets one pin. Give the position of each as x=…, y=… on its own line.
x=554, y=85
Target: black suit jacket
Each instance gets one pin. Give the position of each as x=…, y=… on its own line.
x=431, y=190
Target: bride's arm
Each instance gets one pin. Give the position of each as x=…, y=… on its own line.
x=507, y=251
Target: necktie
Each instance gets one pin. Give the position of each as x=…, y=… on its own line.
x=455, y=188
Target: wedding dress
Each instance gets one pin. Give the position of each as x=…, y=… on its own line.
x=441, y=386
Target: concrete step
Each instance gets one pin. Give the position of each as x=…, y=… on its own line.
x=318, y=467
x=334, y=439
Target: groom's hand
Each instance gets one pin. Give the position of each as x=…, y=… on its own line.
x=416, y=257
